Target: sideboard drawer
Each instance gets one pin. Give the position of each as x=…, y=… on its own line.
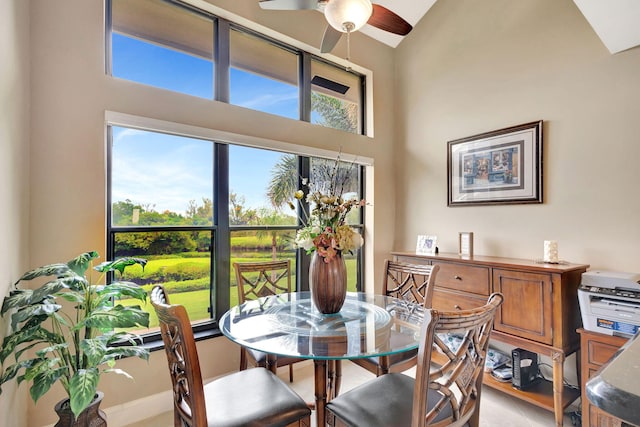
x=463, y=277
x=451, y=301
x=600, y=353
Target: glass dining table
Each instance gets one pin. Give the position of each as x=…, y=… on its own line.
x=289, y=325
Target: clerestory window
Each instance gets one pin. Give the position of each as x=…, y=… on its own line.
x=174, y=46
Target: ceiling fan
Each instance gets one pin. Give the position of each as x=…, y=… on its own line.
x=345, y=16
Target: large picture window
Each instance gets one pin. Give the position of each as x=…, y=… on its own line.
x=163, y=190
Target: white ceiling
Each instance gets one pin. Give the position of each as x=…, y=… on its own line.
x=616, y=22
x=410, y=10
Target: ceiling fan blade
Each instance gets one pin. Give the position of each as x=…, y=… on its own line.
x=386, y=20
x=330, y=39
x=288, y=4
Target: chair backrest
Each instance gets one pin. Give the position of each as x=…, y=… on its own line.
x=454, y=386
x=261, y=279
x=182, y=356
x=410, y=282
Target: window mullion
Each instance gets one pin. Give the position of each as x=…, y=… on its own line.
x=222, y=242
x=222, y=62
x=302, y=259
x=305, y=86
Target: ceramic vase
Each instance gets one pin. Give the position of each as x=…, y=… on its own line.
x=90, y=417
x=328, y=283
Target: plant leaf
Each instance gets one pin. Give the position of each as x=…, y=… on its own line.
x=77, y=297
x=81, y=263
x=44, y=380
x=12, y=370
x=38, y=366
x=118, y=316
x=43, y=352
x=48, y=290
x=16, y=299
x=58, y=270
x=36, y=310
x=120, y=264
x=75, y=283
x=82, y=389
x=36, y=334
x=94, y=350
x=113, y=337
x=128, y=351
x=119, y=372
x=126, y=289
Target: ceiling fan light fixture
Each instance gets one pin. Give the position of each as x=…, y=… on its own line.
x=348, y=15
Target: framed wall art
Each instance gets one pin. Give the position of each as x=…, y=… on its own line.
x=498, y=167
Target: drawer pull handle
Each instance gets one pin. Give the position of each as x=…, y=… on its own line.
x=457, y=277
x=457, y=307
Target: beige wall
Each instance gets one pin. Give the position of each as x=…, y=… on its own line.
x=14, y=174
x=71, y=94
x=471, y=67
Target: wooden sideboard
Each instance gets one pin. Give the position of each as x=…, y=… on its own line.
x=540, y=312
x=597, y=349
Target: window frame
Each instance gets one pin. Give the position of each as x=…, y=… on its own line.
x=221, y=56
x=221, y=229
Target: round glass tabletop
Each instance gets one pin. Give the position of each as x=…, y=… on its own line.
x=290, y=325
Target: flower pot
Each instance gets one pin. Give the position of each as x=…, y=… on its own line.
x=328, y=283
x=90, y=417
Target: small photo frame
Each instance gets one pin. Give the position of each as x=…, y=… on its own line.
x=426, y=245
x=465, y=243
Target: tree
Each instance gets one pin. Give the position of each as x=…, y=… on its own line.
x=284, y=180
x=272, y=217
x=238, y=213
x=200, y=215
x=335, y=113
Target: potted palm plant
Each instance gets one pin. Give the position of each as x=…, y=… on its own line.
x=52, y=343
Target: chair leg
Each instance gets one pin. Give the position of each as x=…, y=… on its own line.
x=291, y=373
x=177, y=421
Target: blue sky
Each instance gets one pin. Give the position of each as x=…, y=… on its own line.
x=164, y=172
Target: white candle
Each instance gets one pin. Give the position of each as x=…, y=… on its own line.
x=550, y=251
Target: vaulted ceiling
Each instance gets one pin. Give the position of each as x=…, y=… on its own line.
x=614, y=21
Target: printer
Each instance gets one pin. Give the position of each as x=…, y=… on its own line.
x=610, y=302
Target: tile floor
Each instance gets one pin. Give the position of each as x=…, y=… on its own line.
x=497, y=409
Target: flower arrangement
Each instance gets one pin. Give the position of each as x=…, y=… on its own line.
x=325, y=229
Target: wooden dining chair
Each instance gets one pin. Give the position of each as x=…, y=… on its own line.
x=254, y=397
x=448, y=395
x=410, y=282
x=261, y=279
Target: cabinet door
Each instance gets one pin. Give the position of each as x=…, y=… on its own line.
x=527, y=309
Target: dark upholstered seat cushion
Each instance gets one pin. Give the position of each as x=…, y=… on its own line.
x=250, y=395
x=386, y=401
